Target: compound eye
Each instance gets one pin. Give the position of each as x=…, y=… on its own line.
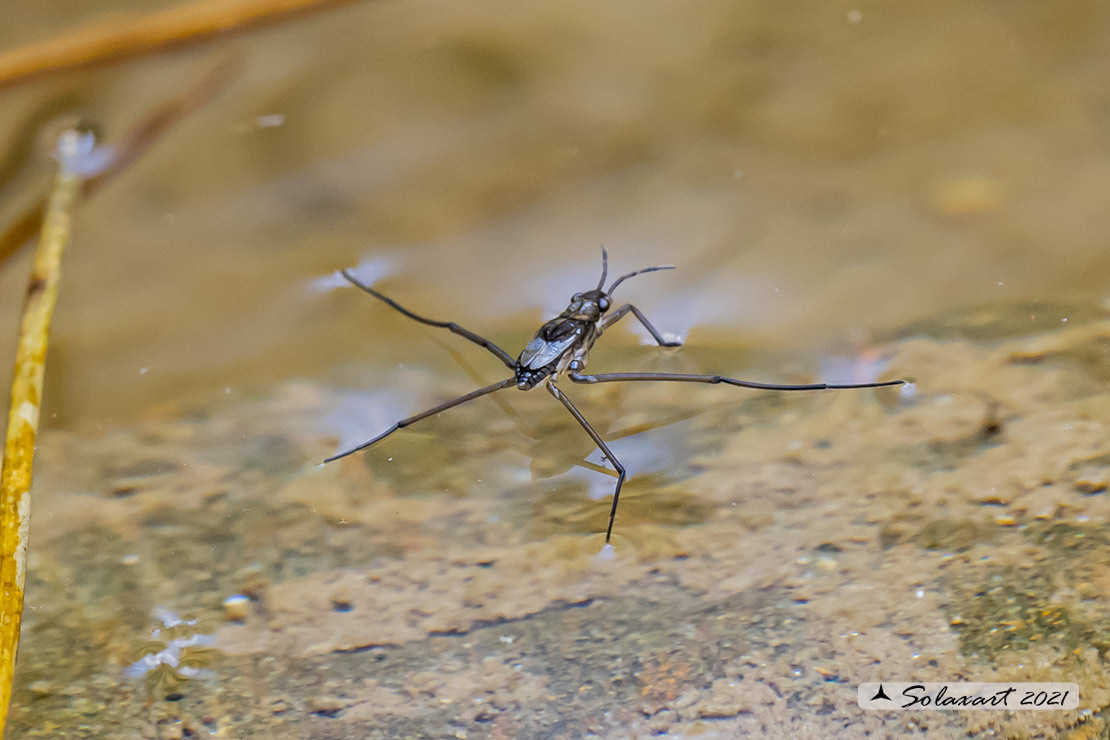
x=603, y=304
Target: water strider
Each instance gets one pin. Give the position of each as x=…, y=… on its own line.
x=562, y=346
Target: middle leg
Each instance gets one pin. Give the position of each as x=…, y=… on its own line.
x=578, y=377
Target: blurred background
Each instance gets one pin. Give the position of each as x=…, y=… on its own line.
x=821, y=173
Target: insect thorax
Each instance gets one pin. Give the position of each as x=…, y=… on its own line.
x=552, y=348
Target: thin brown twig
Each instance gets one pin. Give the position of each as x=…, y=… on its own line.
x=116, y=38
x=133, y=145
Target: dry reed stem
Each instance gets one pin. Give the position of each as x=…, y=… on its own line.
x=122, y=37
x=23, y=415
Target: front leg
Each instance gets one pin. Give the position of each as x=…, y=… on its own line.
x=621, y=312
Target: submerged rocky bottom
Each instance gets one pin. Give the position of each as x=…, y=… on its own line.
x=771, y=553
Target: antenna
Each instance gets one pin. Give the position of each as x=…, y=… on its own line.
x=604, y=267
x=622, y=278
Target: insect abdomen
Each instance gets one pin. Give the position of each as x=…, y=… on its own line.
x=528, y=378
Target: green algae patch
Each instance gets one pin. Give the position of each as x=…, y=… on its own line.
x=955, y=535
x=1057, y=598
x=1012, y=609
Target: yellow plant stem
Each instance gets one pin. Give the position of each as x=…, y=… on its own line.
x=23, y=415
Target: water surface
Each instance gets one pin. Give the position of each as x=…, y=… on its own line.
x=847, y=190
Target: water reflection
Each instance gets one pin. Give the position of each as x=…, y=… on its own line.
x=356, y=416
x=371, y=269
x=177, y=652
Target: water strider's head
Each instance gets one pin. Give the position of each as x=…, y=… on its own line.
x=588, y=306
x=591, y=305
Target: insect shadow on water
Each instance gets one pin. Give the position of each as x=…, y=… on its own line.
x=562, y=347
